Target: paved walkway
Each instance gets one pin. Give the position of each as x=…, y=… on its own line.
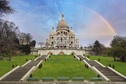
x=21, y=71
x=104, y=70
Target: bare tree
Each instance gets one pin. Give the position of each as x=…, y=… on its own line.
x=41, y=44
x=22, y=38
x=8, y=36
x=5, y=8
x=28, y=38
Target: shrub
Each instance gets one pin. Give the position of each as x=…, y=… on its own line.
x=99, y=59
x=80, y=59
x=16, y=65
x=30, y=75
x=26, y=60
x=85, y=65
x=109, y=65
x=12, y=66
x=36, y=56
x=98, y=75
x=40, y=66
x=113, y=66
x=88, y=56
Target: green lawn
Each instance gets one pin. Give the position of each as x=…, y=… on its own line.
x=70, y=68
x=119, y=66
x=6, y=66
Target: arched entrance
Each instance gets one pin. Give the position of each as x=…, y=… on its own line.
x=50, y=53
x=61, y=53
x=73, y=53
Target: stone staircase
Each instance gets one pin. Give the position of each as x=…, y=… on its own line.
x=105, y=71
x=21, y=71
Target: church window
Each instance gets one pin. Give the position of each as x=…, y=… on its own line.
x=52, y=43
x=61, y=39
x=52, y=37
x=58, y=33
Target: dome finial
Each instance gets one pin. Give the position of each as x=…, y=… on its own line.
x=53, y=27
x=71, y=27
x=62, y=16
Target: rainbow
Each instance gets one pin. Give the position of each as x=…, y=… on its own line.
x=100, y=16
x=108, y=24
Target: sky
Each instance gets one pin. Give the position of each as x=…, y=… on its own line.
x=91, y=19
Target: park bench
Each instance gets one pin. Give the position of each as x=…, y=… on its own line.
x=62, y=78
x=96, y=78
x=32, y=79
x=58, y=59
x=50, y=59
x=77, y=78
x=66, y=59
x=47, y=78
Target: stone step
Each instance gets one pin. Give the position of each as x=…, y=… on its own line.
x=21, y=71
x=117, y=78
x=106, y=71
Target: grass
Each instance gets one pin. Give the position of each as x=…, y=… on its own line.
x=6, y=66
x=119, y=66
x=64, y=68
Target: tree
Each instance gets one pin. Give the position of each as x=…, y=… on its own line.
x=22, y=38
x=41, y=44
x=117, y=40
x=5, y=8
x=32, y=43
x=118, y=48
x=98, y=48
x=28, y=38
x=26, y=49
x=8, y=38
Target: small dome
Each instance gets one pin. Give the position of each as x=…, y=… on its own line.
x=72, y=32
x=52, y=32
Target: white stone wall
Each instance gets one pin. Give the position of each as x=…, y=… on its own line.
x=66, y=51
x=34, y=53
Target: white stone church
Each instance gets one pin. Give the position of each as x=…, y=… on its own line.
x=63, y=37
x=61, y=42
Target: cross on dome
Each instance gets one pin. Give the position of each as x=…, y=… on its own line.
x=52, y=27
x=62, y=16
x=71, y=27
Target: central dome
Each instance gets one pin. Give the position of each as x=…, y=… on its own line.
x=62, y=24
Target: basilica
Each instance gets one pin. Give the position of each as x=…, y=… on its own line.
x=61, y=42
x=64, y=37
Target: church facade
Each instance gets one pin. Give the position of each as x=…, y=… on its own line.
x=61, y=42
x=64, y=37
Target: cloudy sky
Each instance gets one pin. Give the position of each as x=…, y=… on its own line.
x=91, y=19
